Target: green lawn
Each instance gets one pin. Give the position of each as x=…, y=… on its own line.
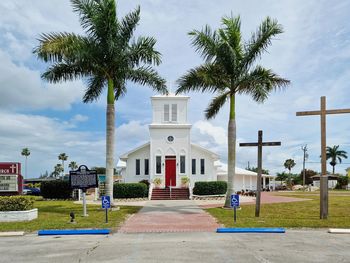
x=55, y=215
x=296, y=214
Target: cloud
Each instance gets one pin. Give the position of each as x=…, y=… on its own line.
x=46, y=138
x=313, y=53
x=22, y=88
x=79, y=118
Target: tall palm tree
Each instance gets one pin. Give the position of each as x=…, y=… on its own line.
x=107, y=56
x=57, y=170
x=63, y=157
x=230, y=69
x=73, y=165
x=25, y=152
x=289, y=164
x=335, y=154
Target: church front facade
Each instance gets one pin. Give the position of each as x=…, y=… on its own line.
x=169, y=155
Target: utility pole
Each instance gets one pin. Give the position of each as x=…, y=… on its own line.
x=304, y=149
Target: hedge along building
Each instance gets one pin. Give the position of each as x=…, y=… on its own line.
x=170, y=155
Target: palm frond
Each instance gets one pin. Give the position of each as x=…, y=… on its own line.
x=232, y=33
x=119, y=88
x=98, y=18
x=142, y=51
x=205, y=42
x=260, y=82
x=55, y=47
x=260, y=40
x=95, y=87
x=128, y=24
x=207, y=77
x=61, y=71
x=215, y=105
x=147, y=76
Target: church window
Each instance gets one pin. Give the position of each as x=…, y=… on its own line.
x=182, y=164
x=202, y=166
x=193, y=166
x=158, y=164
x=137, y=166
x=146, y=167
x=166, y=112
x=173, y=112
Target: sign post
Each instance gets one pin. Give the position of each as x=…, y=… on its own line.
x=234, y=204
x=106, y=203
x=260, y=144
x=83, y=178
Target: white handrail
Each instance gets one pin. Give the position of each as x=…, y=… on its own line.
x=150, y=190
x=190, y=189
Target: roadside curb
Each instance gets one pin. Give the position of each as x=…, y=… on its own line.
x=339, y=231
x=12, y=234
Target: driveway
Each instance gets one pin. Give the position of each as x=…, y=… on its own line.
x=170, y=216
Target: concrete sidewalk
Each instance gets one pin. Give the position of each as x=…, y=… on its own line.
x=170, y=216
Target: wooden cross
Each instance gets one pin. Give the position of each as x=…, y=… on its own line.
x=323, y=178
x=260, y=144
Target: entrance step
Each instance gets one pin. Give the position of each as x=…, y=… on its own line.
x=176, y=194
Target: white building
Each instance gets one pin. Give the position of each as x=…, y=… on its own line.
x=170, y=155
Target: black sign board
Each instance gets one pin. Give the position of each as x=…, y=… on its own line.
x=83, y=178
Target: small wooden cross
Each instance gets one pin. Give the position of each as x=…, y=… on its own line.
x=260, y=144
x=323, y=178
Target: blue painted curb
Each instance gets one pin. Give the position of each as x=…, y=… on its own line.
x=250, y=230
x=74, y=232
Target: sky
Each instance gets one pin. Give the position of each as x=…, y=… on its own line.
x=313, y=53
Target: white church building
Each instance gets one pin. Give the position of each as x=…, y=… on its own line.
x=170, y=155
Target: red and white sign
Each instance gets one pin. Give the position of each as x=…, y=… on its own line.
x=10, y=168
x=10, y=178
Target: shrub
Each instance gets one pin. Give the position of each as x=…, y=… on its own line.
x=16, y=203
x=185, y=180
x=130, y=190
x=210, y=188
x=56, y=189
x=343, y=181
x=157, y=181
x=146, y=182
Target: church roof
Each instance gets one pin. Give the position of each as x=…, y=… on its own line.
x=170, y=96
x=125, y=156
x=215, y=156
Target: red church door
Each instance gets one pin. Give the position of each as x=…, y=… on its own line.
x=170, y=171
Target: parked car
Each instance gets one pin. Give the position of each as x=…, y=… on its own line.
x=31, y=190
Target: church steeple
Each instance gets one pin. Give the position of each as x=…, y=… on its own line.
x=169, y=109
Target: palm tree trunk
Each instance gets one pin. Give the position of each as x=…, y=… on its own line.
x=110, y=118
x=26, y=168
x=231, y=152
x=62, y=168
x=333, y=169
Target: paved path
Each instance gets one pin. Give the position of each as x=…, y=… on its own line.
x=170, y=216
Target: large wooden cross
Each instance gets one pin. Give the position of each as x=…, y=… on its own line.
x=323, y=178
x=260, y=144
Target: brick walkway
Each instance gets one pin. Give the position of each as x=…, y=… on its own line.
x=170, y=216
